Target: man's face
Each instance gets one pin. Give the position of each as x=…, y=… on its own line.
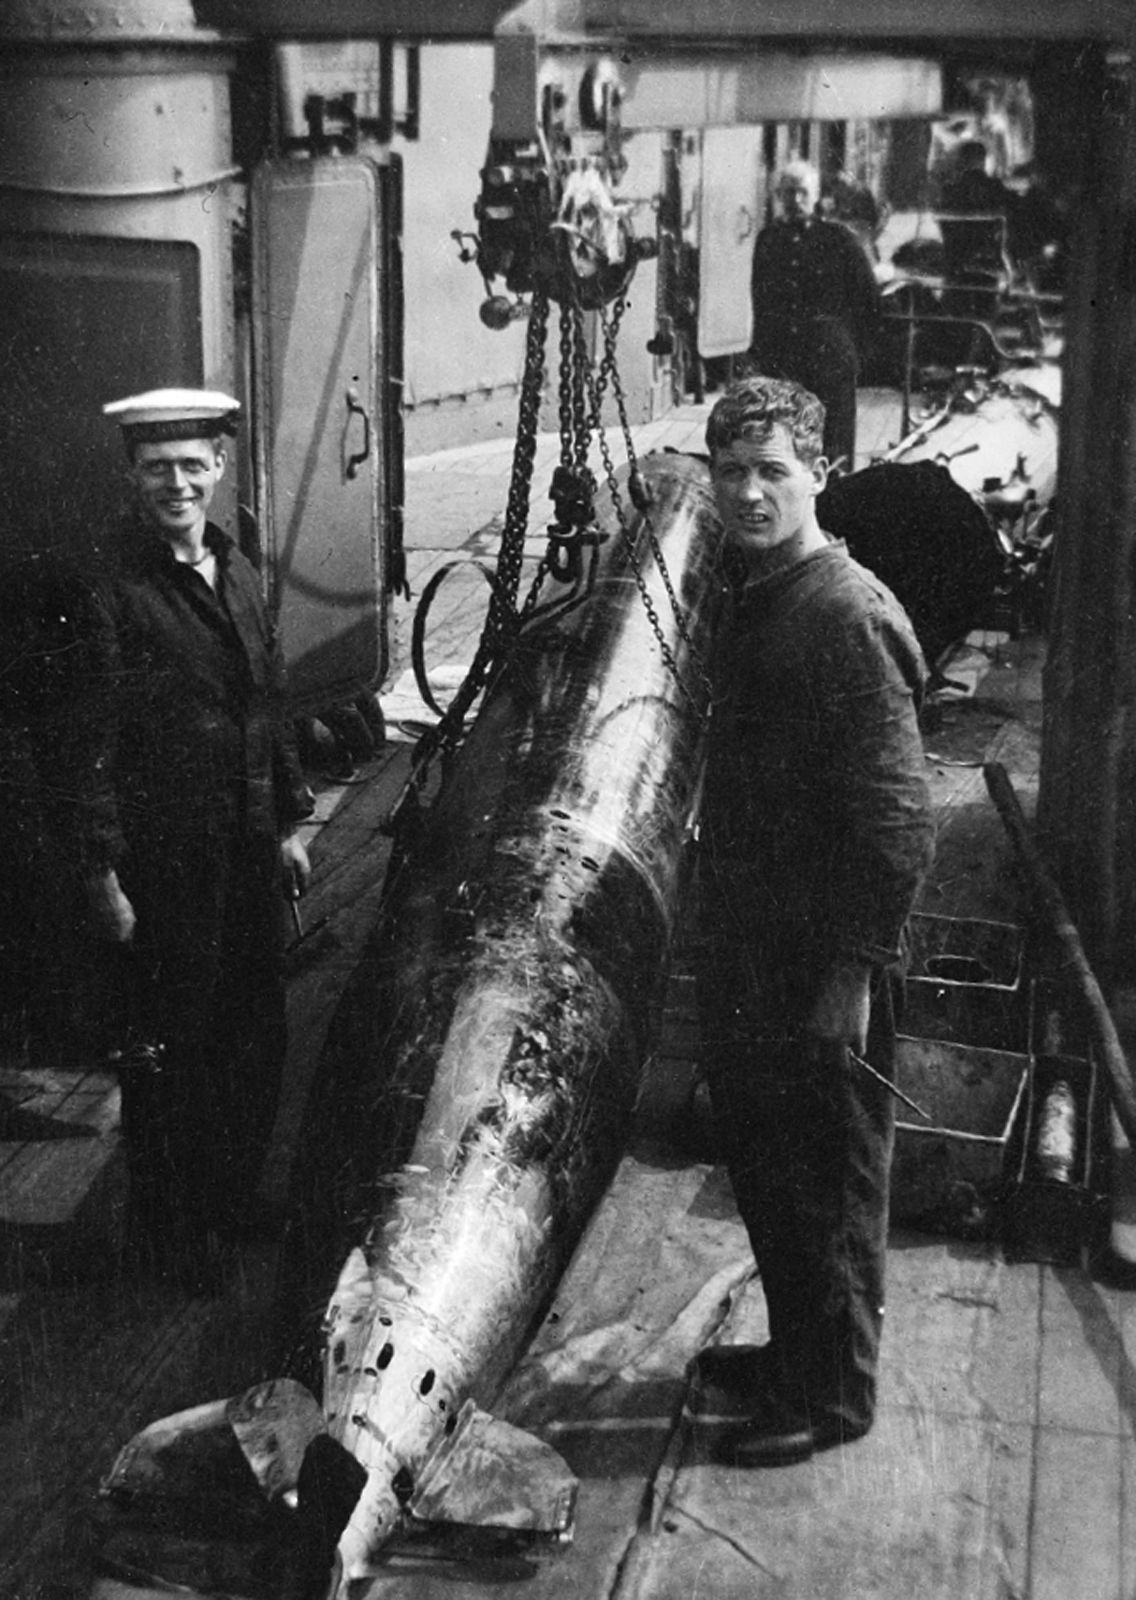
x=766, y=496
x=796, y=197
x=175, y=481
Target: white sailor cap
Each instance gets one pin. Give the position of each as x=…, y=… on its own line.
x=161, y=414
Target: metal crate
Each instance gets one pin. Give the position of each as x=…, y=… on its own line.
x=948, y=1175
x=965, y=982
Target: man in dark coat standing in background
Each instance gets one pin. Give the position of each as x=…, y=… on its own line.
x=816, y=306
x=194, y=795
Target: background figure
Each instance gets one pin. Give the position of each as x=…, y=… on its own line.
x=854, y=206
x=194, y=789
x=816, y=831
x=815, y=306
x=1038, y=223
x=975, y=252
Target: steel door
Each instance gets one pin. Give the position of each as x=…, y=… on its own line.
x=321, y=467
x=729, y=218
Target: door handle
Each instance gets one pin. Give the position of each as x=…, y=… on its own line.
x=356, y=461
x=745, y=224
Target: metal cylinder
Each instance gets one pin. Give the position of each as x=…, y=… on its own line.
x=1057, y=1133
x=125, y=143
x=101, y=22
x=117, y=206
x=114, y=125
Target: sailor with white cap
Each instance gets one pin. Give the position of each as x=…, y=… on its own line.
x=173, y=440
x=196, y=794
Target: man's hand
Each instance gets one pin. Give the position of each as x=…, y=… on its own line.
x=297, y=867
x=842, y=1008
x=111, y=911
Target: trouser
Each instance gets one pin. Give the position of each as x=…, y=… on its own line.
x=807, y=1143
x=210, y=993
x=821, y=355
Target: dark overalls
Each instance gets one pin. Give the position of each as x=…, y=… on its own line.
x=816, y=834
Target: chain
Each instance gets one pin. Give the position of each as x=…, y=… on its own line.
x=511, y=558
x=609, y=372
x=625, y=427
x=581, y=372
x=580, y=395
x=503, y=617
x=564, y=386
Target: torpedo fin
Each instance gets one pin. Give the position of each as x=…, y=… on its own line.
x=274, y=1424
x=195, y=1453
x=487, y=1473
x=248, y=1496
x=188, y=1456
x=182, y=1509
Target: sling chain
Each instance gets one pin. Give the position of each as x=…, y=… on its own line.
x=609, y=371
x=503, y=617
x=580, y=395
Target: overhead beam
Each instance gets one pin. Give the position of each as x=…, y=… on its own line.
x=717, y=91
x=412, y=20
x=679, y=21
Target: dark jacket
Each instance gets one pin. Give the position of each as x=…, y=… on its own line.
x=192, y=739
x=977, y=246
x=804, y=272
x=816, y=814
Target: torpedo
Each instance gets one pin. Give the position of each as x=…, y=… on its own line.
x=479, y=1078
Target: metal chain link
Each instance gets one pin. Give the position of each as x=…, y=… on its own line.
x=609, y=371
x=511, y=557
x=582, y=368
x=503, y=616
x=564, y=384
x=625, y=427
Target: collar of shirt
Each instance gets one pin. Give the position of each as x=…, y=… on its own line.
x=151, y=547
x=753, y=583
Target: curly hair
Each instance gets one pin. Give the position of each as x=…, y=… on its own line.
x=751, y=409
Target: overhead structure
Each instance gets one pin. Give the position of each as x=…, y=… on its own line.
x=711, y=22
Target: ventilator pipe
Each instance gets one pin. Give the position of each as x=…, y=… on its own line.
x=1057, y=920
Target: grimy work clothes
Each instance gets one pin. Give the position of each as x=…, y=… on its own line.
x=195, y=778
x=816, y=306
x=816, y=833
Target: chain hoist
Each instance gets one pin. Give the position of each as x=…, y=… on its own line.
x=548, y=225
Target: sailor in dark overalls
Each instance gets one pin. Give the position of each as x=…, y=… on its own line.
x=816, y=833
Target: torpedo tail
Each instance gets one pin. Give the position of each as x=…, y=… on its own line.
x=251, y=1497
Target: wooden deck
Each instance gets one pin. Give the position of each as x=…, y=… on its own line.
x=1002, y=1465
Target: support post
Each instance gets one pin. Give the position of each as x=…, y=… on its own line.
x=1087, y=802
